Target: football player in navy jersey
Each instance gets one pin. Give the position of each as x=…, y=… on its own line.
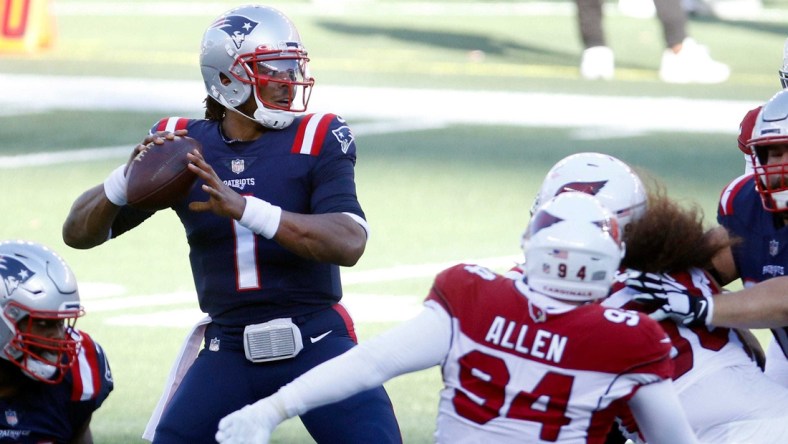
x=272, y=217
x=52, y=376
x=753, y=208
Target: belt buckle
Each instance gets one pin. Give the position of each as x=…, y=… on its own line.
x=272, y=341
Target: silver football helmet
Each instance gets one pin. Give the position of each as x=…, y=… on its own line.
x=610, y=180
x=250, y=48
x=40, y=305
x=574, y=248
x=770, y=130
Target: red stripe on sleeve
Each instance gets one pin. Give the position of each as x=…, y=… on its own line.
x=299, y=138
x=320, y=133
x=339, y=308
x=182, y=123
x=162, y=124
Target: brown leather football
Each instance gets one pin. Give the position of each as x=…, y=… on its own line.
x=158, y=177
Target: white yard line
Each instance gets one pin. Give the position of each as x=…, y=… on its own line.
x=363, y=307
x=69, y=156
x=389, y=110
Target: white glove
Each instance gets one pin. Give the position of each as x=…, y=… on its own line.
x=252, y=424
x=671, y=299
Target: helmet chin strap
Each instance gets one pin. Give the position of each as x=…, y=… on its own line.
x=37, y=370
x=780, y=199
x=272, y=118
x=269, y=118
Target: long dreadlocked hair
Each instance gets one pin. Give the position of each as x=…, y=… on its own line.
x=669, y=238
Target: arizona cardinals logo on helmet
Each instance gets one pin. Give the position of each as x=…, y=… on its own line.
x=584, y=187
x=13, y=273
x=237, y=27
x=542, y=220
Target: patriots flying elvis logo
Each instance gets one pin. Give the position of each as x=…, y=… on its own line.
x=13, y=274
x=344, y=137
x=237, y=27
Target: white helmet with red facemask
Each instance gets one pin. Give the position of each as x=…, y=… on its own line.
x=249, y=49
x=769, y=133
x=40, y=304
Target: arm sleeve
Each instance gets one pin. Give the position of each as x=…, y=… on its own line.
x=659, y=414
x=414, y=345
x=127, y=219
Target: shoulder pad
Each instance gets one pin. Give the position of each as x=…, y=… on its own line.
x=91, y=375
x=313, y=129
x=728, y=195
x=170, y=124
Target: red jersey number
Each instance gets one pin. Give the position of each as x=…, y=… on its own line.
x=485, y=378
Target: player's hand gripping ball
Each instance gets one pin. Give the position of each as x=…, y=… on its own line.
x=158, y=177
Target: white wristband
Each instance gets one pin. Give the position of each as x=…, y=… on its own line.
x=115, y=186
x=261, y=217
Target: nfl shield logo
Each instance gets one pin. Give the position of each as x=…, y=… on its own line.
x=214, y=345
x=237, y=166
x=774, y=247
x=10, y=417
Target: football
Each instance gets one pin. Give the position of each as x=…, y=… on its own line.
x=158, y=177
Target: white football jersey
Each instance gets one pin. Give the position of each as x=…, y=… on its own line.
x=697, y=351
x=521, y=372
x=726, y=397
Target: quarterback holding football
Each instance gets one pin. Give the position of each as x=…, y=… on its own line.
x=271, y=217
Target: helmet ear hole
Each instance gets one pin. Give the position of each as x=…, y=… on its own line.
x=224, y=79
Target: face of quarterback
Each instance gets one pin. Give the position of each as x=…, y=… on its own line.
x=277, y=91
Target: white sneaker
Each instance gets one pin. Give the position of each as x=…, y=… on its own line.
x=597, y=62
x=692, y=64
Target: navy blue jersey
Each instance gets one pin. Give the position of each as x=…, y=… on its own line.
x=244, y=278
x=44, y=413
x=763, y=252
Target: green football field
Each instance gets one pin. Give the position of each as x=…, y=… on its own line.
x=459, y=109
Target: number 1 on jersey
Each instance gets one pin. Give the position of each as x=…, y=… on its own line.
x=246, y=274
